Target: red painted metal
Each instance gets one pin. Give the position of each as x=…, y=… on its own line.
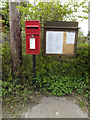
x=33, y=30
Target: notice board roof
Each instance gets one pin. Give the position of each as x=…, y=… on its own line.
x=60, y=25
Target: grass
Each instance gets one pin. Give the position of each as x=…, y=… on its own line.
x=17, y=107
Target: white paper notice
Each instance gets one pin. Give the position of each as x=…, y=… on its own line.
x=70, y=38
x=32, y=43
x=54, y=42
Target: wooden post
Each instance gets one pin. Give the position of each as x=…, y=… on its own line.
x=15, y=37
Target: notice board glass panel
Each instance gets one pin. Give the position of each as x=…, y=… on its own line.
x=70, y=38
x=54, y=42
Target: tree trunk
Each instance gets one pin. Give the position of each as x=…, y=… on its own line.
x=15, y=37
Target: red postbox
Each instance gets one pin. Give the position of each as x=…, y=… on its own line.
x=32, y=29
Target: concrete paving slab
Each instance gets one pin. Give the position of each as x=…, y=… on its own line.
x=54, y=107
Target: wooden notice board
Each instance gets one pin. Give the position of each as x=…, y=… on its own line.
x=60, y=38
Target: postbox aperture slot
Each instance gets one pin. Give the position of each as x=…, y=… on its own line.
x=32, y=27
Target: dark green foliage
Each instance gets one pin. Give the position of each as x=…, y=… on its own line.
x=5, y=16
x=57, y=75
x=76, y=66
x=65, y=85
x=62, y=75
x=6, y=60
x=17, y=85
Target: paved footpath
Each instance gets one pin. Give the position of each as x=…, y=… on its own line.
x=54, y=107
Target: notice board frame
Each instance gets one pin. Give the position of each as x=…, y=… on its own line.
x=62, y=26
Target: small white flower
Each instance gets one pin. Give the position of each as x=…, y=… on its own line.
x=56, y=113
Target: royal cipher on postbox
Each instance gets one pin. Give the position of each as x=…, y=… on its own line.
x=32, y=31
